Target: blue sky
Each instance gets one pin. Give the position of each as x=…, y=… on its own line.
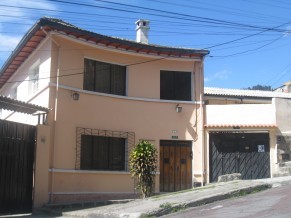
x=249, y=40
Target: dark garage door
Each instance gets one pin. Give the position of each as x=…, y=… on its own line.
x=17, y=142
x=245, y=153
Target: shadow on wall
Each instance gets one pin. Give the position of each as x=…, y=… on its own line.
x=283, y=147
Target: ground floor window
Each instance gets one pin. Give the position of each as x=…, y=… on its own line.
x=102, y=153
x=103, y=149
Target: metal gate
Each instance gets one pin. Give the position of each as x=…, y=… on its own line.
x=245, y=153
x=17, y=143
x=175, y=165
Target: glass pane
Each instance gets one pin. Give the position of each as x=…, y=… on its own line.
x=100, y=154
x=102, y=77
x=86, y=152
x=117, y=153
x=182, y=87
x=89, y=69
x=167, y=85
x=118, y=79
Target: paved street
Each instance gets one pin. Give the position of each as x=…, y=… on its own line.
x=270, y=203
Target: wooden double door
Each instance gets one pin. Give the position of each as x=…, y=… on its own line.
x=175, y=165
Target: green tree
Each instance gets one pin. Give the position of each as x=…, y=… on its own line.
x=143, y=165
x=260, y=87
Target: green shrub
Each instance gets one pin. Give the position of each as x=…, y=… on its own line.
x=143, y=165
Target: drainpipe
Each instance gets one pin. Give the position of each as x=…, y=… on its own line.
x=202, y=118
x=51, y=188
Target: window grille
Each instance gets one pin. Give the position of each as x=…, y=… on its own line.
x=128, y=136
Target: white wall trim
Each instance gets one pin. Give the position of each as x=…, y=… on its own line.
x=87, y=171
x=123, y=97
x=55, y=170
x=87, y=193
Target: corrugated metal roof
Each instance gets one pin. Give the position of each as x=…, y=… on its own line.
x=211, y=91
x=37, y=33
x=20, y=106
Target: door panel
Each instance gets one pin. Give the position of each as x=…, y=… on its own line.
x=176, y=169
x=172, y=166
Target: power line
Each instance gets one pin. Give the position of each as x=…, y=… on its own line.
x=250, y=50
x=185, y=16
x=235, y=40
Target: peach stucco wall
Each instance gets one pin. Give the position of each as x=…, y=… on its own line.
x=140, y=112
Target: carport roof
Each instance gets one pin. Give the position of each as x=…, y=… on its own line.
x=20, y=106
x=211, y=91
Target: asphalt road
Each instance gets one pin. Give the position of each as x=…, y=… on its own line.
x=275, y=202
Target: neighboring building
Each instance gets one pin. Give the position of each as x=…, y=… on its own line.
x=286, y=87
x=106, y=94
x=247, y=131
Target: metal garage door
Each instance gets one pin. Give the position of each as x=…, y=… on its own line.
x=245, y=153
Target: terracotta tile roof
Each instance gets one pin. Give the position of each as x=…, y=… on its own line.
x=210, y=91
x=20, y=106
x=36, y=34
x=234, y=126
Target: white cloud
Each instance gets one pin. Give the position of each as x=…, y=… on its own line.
x=10, y=31
x=8, y=43
x=222, y=75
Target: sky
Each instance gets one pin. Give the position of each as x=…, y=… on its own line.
x=249, y=40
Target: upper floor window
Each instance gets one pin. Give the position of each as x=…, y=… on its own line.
x=13, y=93
x=104, y=77
x=33, y=79
x=175, y=85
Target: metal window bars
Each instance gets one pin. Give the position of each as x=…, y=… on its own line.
x=129, y=136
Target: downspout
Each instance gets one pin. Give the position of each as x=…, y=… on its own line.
x=202, y=119
x=51, y=188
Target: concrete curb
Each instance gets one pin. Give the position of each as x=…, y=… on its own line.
x=208, y=200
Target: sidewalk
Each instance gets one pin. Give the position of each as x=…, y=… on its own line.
x=172, y=202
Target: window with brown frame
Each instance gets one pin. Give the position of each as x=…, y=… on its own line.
x=104, y=77
x=102, y=153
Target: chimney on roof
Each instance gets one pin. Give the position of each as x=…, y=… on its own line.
x=142, y=30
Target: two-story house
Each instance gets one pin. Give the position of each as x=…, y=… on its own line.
x=104, y=95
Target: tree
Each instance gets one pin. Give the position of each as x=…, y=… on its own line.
x=143, y=165
x=260, y=87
